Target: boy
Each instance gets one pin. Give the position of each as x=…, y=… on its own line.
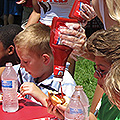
x=32, y=47
x=7, y=48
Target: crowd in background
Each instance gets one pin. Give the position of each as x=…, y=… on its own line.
x=18, y=12
x=13, y=12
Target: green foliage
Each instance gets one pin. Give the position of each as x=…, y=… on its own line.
x=84, y=75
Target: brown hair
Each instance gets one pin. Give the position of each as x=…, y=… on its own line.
x=105, y=43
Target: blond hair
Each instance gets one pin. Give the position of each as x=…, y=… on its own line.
x=112, y=83
x=114, y=9
x=34, y=38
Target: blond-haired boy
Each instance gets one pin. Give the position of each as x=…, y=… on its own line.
x=32, y=47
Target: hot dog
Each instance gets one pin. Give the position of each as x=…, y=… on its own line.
x=56, y=98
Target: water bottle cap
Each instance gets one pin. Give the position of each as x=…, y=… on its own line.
x=8, y=64
x=78, y=87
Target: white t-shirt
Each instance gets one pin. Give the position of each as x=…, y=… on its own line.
x=56, y=8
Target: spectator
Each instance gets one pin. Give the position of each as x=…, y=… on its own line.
x=27, y=9
x=12, y=12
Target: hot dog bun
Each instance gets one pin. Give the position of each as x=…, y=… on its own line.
x=56, y=98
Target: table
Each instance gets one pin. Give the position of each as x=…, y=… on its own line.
x=28, y=110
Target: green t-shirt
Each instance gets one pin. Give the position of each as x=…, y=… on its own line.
x=106, y=111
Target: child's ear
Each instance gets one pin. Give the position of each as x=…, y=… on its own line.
x=10, y=50
x=46, y=58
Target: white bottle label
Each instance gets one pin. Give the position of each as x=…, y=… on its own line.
x=7, y=84
x=75, y=111
x=79, y=113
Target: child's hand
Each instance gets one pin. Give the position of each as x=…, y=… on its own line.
x=57, y=110
x=31, y=89
x=28, y=88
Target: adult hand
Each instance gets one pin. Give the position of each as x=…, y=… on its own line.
x=21, y=2
x=89, y=13
x=74, y=37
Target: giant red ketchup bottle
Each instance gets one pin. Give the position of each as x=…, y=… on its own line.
x=76, y=8
x=60, y=52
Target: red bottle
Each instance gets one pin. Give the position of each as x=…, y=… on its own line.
x=60, y=52
x=77, y=6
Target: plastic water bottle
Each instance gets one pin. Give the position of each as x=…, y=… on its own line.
x=75, y=109
x=85, y=101
x=9, y=89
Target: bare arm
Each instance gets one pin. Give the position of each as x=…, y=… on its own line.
x=108, y=20
x=21, y=2
x=29, y=88
x=35, y=15
x=92, y=117
x=95, y=4
x=97, y=96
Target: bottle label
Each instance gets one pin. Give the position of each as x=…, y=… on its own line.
x=7, y=84
x=59, y=70
x=74, y=111
x=79, y=112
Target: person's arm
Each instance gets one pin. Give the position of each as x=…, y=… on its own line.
x=29, y=88
x=95, y=4
x=35, y=15
x=97, y=96
x=92, y=116
x=21, y=1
